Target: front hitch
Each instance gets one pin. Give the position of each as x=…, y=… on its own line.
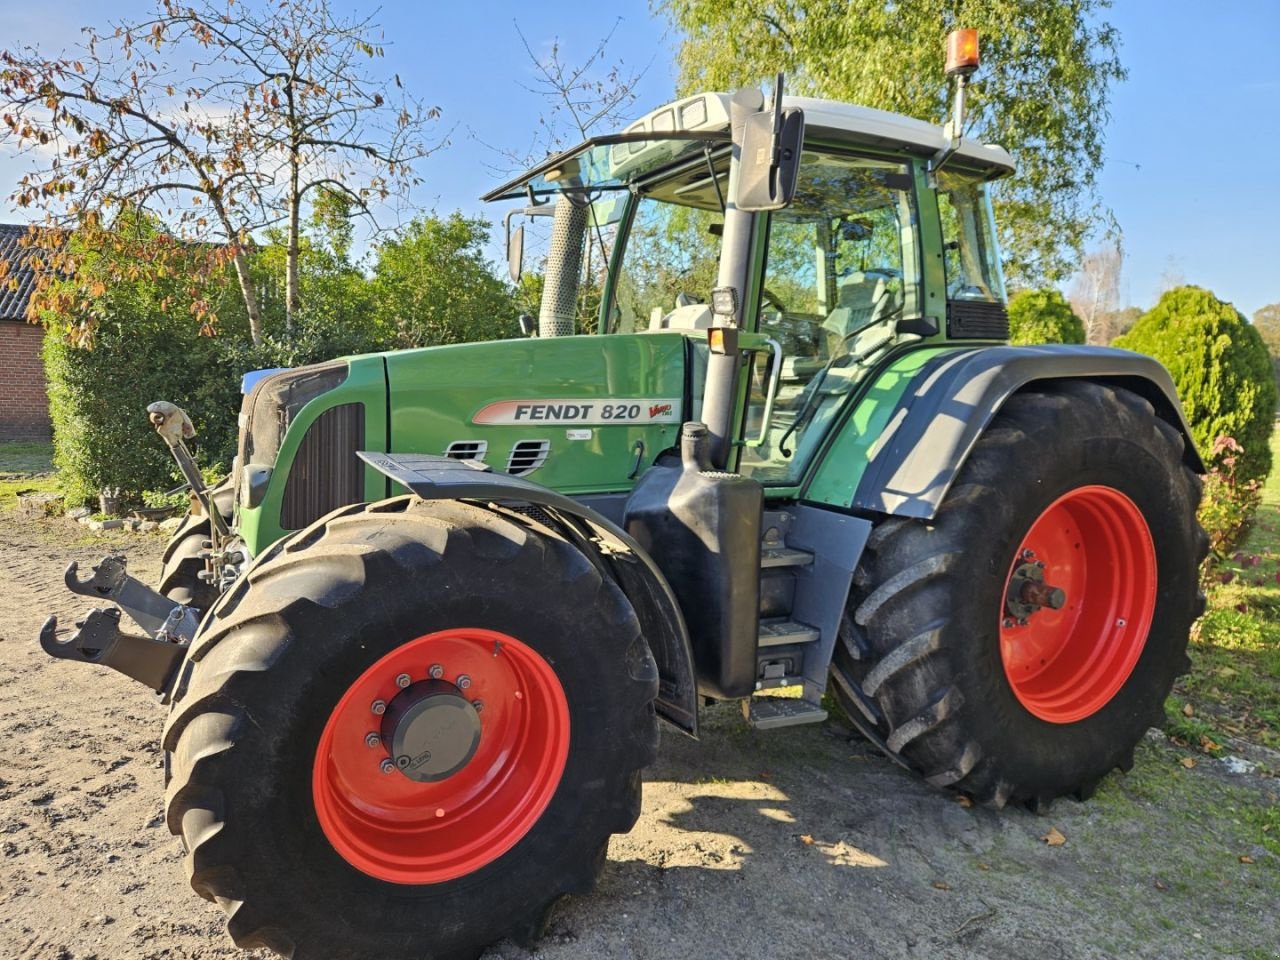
x=149, y=660
x=99, y=641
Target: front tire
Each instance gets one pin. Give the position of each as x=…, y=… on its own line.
x=280, y=789
x=1076, y=487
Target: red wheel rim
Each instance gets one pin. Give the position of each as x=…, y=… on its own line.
x=404, y=831
x=1066, y=664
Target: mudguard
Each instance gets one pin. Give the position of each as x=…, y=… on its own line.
x=443, y=478
x=954, y=397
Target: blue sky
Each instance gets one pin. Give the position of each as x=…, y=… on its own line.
x=1190, y=143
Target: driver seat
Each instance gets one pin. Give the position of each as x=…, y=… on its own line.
x=861, y=299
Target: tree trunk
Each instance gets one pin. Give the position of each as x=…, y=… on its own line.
x=292, y=296
x=250, y=297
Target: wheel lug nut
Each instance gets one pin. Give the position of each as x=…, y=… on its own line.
x=387, y=766
x=402, y=681
x=435, y=671
x=1040, y=564
x=379, y=707
x=478, y=704
x=372, y=740
x=1028, y=554
x=463, y=682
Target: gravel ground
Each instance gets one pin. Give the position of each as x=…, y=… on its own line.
x=794, y=843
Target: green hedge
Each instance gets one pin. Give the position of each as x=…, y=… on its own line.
x=1043, y=316
x=98, y=400
x=1222, y=370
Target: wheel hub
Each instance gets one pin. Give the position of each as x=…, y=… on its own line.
x=1028, y=592
x=431, y=730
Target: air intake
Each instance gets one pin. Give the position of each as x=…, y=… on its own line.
x=467, y=449
x=527, y=456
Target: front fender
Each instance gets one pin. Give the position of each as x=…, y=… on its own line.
x=953, y=397
x=443, y=478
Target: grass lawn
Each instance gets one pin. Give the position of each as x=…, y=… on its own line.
x=21, y=464
x=26, y=456
x=1233, y=689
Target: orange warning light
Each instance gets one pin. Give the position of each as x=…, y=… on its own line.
x=962, y=52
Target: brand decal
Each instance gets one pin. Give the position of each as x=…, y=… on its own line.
x=640, y=410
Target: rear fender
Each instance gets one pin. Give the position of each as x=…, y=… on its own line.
x=954, y=396
x=442, y=478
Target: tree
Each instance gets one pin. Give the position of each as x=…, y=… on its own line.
x=1043, y=316
x=1095, y=292
x=219, y=118
x=1266, y=320
x=1043, y=90
x=432, y=285
x=1221, y=369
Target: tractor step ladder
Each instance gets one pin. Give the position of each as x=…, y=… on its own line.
x=777, y=631
x=769, y=713
x=782, y=639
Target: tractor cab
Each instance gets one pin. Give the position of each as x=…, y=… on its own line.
x=878, y=248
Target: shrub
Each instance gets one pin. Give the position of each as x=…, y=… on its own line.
x=1222, y=371
x=1043, y=316
x=98, y=399
x=1229, y=503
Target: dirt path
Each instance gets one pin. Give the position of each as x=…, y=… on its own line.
x=799, y=843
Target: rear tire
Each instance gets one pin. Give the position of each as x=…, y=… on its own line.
x=934, y=663
x=280, y=833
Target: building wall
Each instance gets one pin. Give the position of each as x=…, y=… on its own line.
x=24, y=403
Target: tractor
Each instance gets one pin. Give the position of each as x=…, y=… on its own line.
x=415, y=652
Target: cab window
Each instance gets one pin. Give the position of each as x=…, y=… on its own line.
x=842, y=267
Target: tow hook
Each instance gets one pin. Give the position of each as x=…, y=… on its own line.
x=152, y=660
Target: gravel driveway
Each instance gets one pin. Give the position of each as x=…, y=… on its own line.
x=792, y=843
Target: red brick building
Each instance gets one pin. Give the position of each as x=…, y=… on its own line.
x=24, y=404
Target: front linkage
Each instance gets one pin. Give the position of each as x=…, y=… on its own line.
x=151, y=660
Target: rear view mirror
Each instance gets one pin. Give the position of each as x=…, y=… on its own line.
x=770, y=165
x=515, y=253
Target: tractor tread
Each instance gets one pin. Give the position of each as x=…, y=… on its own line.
x=249, y=634
x=897, y=668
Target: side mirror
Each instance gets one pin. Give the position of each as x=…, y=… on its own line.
x=770, y=158
x=515, y=252
x=527, y=325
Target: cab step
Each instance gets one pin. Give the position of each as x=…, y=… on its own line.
x=782, y=556
x=769, y=713
x=777, y=631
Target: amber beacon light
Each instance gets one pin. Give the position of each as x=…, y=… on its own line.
x=962, y=52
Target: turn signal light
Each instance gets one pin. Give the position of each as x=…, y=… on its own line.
x=962, y=51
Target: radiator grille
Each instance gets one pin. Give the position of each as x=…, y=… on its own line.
x=467, y=449
x=977, y=320
x=527, y=456
x=326, y=473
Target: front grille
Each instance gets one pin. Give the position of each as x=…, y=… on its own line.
x=527, y=456
x=326, y=473
x=977, y=320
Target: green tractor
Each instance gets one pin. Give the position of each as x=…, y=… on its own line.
x=415, y=653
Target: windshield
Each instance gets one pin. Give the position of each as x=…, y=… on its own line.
x=607, y=163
